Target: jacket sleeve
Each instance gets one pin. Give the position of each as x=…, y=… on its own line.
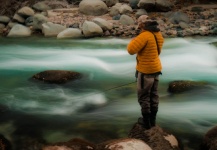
x=137, y=44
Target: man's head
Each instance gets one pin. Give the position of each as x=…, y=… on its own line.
x=141, y=20
x=147, y=23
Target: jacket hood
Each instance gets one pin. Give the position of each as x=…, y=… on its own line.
x=151, y=26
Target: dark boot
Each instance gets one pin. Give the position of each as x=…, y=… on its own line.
x=153, y=118
x=146, y=121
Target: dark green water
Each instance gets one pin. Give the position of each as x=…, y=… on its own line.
x=90, y=108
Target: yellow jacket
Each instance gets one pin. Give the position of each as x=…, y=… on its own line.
x=144, y=45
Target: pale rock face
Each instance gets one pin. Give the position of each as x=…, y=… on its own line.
x=91, y=29
x=93, y=7
x=19, y=30
x=128, y=144
x=50, y=29
x=70, y=33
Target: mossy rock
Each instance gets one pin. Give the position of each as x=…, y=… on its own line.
x=185, y=85
x=57, y=76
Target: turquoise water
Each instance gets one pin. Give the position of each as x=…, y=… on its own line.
x=93, y=108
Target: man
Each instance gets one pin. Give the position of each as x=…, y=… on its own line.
x=147, y=45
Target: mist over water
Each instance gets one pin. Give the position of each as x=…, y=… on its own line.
x=99, y=100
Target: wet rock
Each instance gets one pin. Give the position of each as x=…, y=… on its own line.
x=184, y=85
x=156, y=138
x=124, y=144
x=74, y=144
x=210, y=140
x=57, y=76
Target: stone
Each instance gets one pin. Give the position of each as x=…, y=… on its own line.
x=19, y=30
x=105, y=25
x=57, y=76
x=41, y=6
x=38, y=20
x=125, y=9
x=93, y=7
x=156, y=137
x=180, y=86
x=91, y=29
x=163, y=5
x=26, y=11
x=50, y=29
x=71, y=33
x=126, y=20
x=210, y=139
x=4, y=19
x=124, y=144
x=148, y=5
x=18, y=18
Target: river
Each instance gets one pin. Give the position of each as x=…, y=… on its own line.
x=102, y=105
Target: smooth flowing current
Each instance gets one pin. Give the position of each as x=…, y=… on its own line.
x=103, y=104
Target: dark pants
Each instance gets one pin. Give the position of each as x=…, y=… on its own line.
x=147, y=88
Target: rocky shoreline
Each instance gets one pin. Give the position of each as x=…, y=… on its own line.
x=111, y=19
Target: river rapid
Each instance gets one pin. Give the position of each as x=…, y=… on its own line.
x=103, y=104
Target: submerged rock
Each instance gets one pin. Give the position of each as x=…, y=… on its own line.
x=57, y=76
x=184, y=85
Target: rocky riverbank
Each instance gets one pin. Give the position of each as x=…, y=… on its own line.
x=108, y=18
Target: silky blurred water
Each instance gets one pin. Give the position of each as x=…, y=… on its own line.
x=102, y=105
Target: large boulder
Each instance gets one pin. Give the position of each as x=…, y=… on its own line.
x=93, y=7
x=156, y=137
x=184, y=85
x=56, y=76
x=50, y=29
x=19, y=30
x=71, y=33
x=91, y=29
x=210, y=140
x=124, y=144
x=38, y=20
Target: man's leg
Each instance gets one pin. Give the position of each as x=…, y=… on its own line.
x=144, y=85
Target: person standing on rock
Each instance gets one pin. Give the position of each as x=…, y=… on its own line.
x=147, y=45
